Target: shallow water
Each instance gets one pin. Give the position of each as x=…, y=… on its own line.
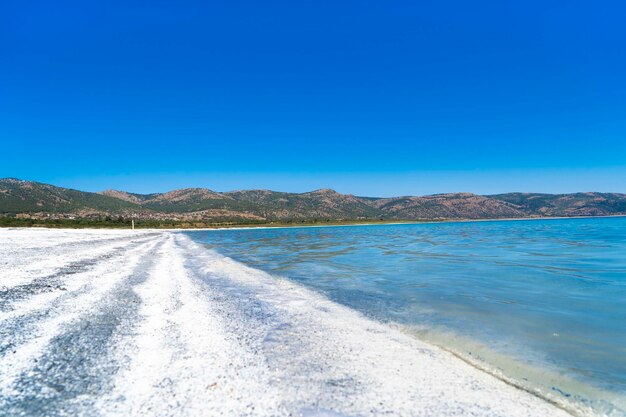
x=540, y=301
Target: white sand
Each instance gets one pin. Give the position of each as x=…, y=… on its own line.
x=121, y=323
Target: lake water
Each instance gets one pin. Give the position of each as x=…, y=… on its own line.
x=540, y=303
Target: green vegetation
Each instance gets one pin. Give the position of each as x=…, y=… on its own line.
x=24, y=203
x=119, y=223
x=24, y=196
x=576, y=204
x=64, y=223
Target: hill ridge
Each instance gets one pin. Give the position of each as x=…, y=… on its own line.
x=33, y=199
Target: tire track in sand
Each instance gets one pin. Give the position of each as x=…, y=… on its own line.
x=63, y=362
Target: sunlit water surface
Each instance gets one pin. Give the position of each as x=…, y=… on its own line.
x=540, y=302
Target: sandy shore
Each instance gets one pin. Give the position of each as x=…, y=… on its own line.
x=144, y=323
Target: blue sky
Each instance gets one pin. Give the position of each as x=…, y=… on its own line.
x=372, y=98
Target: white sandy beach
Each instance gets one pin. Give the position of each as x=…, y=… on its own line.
x=144, y=323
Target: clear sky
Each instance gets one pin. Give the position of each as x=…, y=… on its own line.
x=368, y=97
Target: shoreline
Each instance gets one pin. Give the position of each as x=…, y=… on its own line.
x=576, y=408
x=395, y=223
x=265, y=343
x=306, y=225
x=552, y=384
x=576, y=397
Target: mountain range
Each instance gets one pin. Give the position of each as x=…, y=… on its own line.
x=29, y=199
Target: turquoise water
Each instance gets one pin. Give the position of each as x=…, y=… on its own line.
x=540, y=302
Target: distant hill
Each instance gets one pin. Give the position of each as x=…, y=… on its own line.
x=17, y=196
x=37, y=200
x=183, y=201
x=319, y=204
x=448, y=206
x=577, y=204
